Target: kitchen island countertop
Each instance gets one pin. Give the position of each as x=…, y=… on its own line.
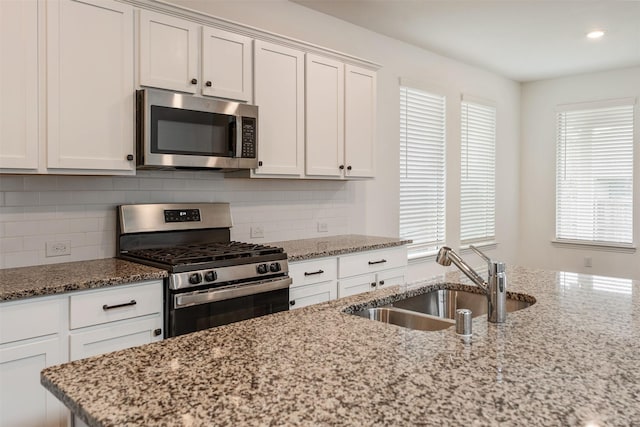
x=570, y=359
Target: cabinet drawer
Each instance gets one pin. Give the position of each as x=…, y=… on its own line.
x=392, y=277
x=372, y=261
x=316, y=271
x=122, y=302
x=118, y=336
x=302, y=296
x=30, y=319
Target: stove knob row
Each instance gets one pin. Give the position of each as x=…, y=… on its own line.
x=264, y=268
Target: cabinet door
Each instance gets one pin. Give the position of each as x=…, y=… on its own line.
x=117, y=336
x=90, y=85
x=19, y=84
x=226, y=65
x=356, y=285
x=302, y=296
x=168, y=52
x=392, y=277
x=279, y=93
x=23, y=400
x=324, y=148
x=360, y=122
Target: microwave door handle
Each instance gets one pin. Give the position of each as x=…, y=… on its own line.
x=237, y=137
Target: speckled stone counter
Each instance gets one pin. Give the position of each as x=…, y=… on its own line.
x=300, y=250
x=571, y=359
x=41, y=280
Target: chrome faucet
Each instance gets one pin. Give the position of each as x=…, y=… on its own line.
x=495, y=289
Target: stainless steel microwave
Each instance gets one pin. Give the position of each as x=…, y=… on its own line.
x=177, y=131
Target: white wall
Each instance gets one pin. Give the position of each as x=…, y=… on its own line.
x=537, y=190
x=398, y=60
x=82, y=209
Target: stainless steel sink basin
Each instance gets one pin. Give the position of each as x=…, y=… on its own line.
x=435, y=310
x=444, y=303
x=405, y=318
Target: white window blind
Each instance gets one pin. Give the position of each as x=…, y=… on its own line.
x=422, y=169
x=594, y=182
x=478, y=178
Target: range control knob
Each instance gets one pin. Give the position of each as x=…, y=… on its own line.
x=262, y=268
x=275, y=267
x=210, y=276
x=195, y=278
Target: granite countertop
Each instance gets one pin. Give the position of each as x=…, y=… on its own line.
x=41, y=280
x=570, y=359
x=304, y=249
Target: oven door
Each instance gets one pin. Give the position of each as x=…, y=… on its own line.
x=194, y=311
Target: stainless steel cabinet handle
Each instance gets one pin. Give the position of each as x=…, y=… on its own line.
x=126, y=304
x=313, y=273
x=382, y=261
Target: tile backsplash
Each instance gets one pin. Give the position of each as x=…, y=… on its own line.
x=80, y=211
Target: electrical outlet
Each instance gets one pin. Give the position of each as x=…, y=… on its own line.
x=588, y=261
x=323, y=227
x=59, y=248
x=257, y=232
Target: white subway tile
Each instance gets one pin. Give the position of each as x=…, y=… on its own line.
x=48, y=198
x=40, y=183
x=21, y=198
x=107, y=224
x=77, y=225
x=95, y=183
x=20, y=259
x=11, y=213
x=150, y=184
x=71, y=211
x=35, y=243
x=76, y=239
x=22, y=228
x=11, y=183
x=126, y=183
x=11, y=244
x=53, y=227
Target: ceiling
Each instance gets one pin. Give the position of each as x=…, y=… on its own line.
x=524, y=40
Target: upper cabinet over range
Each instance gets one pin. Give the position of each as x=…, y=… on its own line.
x=171, y=49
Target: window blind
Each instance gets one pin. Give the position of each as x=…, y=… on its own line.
x=478, y=178
x=594, y=182
x=422, y=169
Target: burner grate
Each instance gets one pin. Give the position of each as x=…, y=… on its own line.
x=206, y=252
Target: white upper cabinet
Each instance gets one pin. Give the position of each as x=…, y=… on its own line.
x=19, y=84
x=168, y=52
x=90, y=86
x=226, y=65
x=279, y=94
x=360, y=122
x=324, y=148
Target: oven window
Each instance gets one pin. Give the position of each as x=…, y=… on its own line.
x=177, y=131
x=204, y=316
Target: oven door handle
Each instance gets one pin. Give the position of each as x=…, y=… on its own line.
x=203, y=297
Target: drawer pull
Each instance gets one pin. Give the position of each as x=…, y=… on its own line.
x=126, y=304
x=313, y=273
x=382, y=261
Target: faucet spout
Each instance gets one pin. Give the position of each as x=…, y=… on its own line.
x=446, y=256
x=495, y=288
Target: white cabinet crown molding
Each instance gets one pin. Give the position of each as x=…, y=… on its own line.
x=247, y=30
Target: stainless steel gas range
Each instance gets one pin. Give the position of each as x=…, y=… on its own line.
x=212, y=280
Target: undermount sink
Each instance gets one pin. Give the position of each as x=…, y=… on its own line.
x=435, y=310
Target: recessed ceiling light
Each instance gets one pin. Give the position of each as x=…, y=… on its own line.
x=596, y=34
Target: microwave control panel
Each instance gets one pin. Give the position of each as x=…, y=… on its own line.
x=249, y=137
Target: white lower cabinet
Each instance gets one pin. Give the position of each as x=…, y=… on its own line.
x=329, y=278
x=383, y=267
x=40, y=332
x=313, y=282
x=31, y=338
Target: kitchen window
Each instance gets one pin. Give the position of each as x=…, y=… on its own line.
x=477, y=177
x=422, y=170
x=594, y=167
